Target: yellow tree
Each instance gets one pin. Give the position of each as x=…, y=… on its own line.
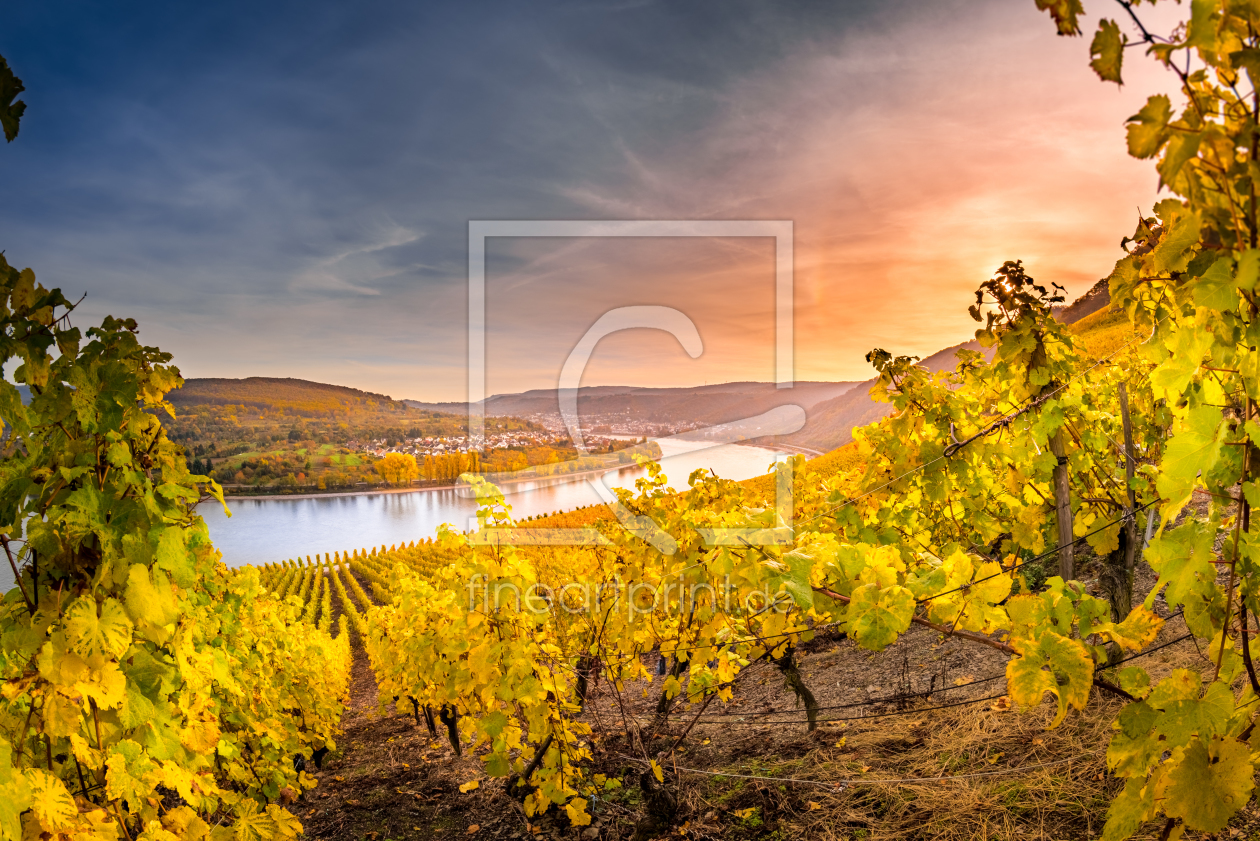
x=398, y=468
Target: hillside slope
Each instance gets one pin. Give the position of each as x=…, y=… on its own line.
x=677, y=407
x=831, y=424
x=293, y=396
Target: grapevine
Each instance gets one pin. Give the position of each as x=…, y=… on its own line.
x=133, y=662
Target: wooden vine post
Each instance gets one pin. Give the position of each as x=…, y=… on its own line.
x=1122, y=603
x=1059, y=478
x=1063, y=508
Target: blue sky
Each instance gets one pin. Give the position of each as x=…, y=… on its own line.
x=283, y=189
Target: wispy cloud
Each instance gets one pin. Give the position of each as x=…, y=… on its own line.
x=291, y=198
x=354, y=270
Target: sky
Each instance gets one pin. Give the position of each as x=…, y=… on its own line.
x=284, y=189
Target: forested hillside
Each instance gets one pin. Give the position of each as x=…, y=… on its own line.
x=658, y=411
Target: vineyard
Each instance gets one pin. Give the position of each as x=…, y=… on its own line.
x=1021, y=605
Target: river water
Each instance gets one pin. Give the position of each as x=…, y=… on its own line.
x=273, y=529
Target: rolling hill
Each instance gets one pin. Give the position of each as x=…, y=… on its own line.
x=299, y=397
x=671, y=407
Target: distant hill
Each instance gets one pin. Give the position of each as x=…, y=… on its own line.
x=831, y=424
x=298, y=397
x=706, y=405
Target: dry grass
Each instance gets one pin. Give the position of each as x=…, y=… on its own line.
x=394, y=781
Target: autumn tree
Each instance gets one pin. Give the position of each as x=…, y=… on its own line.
x=398, y=468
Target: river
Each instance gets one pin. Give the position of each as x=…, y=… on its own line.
x=275, y=528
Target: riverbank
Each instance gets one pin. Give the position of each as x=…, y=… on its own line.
x=413, y=490
x=787, y=449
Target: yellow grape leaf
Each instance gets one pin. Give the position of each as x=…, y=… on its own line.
x=126, y=777
x=469, y=786
x=576, y=810
x=185, y=823
x=1138, y=629
x=108, y=633
x=62, y=715
x=1041, y=664
x=149, y=601
x=50, y=802
x=657, y=772
x=745, y=814
x=1207, y=784
x=813, y=807
x=285, y=822
x=106, y=684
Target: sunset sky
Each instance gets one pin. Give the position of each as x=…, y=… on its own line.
x=284, y=189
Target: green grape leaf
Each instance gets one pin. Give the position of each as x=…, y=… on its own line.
x=876, y=617
x=795, y=579
x=1217, y=289
x=10, y=111
x=1183, y=560
x=1135, y=681
x=1107, y=51
x=1249, y=60
x=108, y=634
x=1209, y=781
x=493, y=723
x=127, y=774
x=1179, y=367
x=1188, y=718
x=1248, y=269
x=1132, y=751
x=1170, y=255
x=1195, y=448
x=1180, y=685
x=173, y=556
x=1066, y=14
x=1134, y=806
x=1201, y=32
x=1148, y=129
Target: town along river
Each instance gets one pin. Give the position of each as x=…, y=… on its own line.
x=273, y=529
